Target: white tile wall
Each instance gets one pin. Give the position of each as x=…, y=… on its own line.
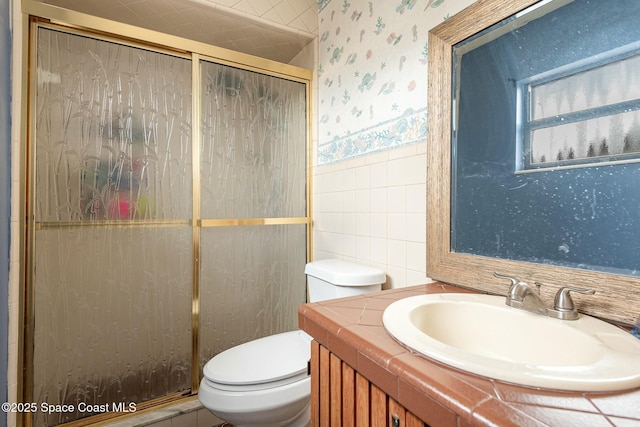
x=372, y=210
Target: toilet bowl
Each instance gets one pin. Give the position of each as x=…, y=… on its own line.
x=261, y=382
x=265, y=382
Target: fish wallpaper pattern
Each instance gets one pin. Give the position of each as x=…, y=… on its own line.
x=372, y=73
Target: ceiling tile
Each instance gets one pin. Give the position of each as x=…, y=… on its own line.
x=297, y=7
x=209, y=21
x=285, y=12
x=245, y=7
x=308, y=21
x=259, y=6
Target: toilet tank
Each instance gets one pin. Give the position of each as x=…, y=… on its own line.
x=335, y=278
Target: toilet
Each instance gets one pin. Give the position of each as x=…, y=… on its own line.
x=265, y=382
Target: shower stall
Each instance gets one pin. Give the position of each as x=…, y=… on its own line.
x=168, y=217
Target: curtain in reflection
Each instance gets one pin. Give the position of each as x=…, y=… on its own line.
x=606, y=95
x=112, y=304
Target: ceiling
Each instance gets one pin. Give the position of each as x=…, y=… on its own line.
x=272, y=29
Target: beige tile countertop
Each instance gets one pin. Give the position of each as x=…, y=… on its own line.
x=443, y=396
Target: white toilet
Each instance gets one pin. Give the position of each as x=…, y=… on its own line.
x=265, y=382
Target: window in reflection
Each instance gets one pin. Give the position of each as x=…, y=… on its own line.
x=582, y=113
x=562, y=213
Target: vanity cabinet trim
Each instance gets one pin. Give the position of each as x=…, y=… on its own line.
x=342, y=397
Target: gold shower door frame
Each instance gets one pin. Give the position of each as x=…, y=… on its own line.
x=38, y=15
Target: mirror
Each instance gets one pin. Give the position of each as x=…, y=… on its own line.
x=534, y=141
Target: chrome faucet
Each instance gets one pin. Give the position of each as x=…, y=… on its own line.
x=525, y=297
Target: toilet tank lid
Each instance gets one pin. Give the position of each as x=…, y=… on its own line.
x=345, y=273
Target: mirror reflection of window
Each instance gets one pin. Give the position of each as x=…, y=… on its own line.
x=583, y=113
x=545, y=142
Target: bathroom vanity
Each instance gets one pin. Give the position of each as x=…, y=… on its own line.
x=362, y=376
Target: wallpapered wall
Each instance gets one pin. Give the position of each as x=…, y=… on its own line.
x=372, y=73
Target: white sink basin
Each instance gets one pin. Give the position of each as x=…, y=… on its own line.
x=482, y=335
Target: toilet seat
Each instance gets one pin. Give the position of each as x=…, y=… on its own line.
x=268, y=362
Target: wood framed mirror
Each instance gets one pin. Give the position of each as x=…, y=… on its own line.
x=617, y=296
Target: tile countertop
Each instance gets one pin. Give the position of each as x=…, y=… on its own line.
x=443, y=396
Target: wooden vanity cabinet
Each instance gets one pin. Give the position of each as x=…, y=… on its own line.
x=340, y=396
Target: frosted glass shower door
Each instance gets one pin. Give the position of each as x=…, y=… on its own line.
x=112, y=250
x=254, y=209
x=158, y=236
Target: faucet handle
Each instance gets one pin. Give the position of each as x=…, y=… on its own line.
x=563, y=306
x=516, y=285
x=514, y=281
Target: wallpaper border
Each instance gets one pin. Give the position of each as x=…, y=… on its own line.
x=409, y=128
